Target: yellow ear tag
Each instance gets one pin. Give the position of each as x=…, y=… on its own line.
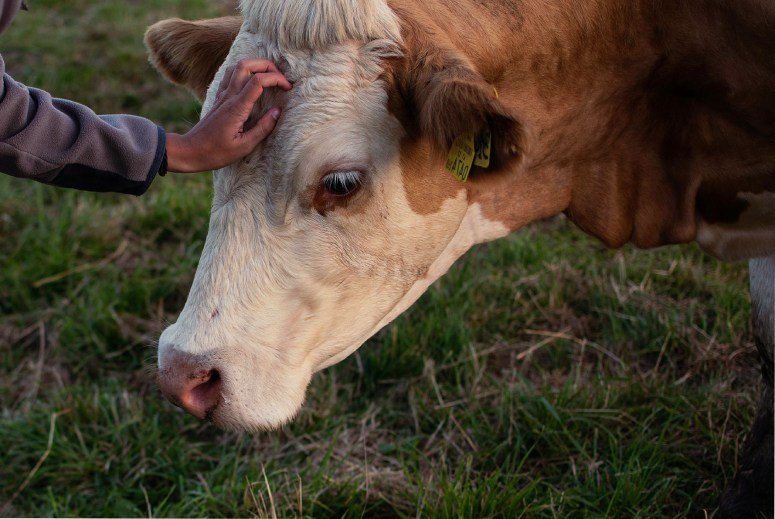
x=461, y=156
x=482, y=149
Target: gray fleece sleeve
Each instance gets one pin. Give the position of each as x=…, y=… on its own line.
x=66, y=144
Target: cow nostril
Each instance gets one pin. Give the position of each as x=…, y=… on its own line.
x=203, y=394
x=209, y=388
x=190, y=382
x=199, y=393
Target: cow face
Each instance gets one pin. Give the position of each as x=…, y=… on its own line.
x=334, y=225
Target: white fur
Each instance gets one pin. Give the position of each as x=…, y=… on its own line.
x=281, y=290
x=473, y=229
x=316, y=24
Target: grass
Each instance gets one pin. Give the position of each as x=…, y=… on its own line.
x=544, y=376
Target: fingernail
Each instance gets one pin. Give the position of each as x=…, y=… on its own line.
x=275, y=113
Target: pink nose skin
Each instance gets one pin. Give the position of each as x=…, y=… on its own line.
x=189, y=383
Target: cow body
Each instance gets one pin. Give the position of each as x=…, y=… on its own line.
x=647, y=120
x=644, y=122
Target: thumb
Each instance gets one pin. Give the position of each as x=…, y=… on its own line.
x=263, y=127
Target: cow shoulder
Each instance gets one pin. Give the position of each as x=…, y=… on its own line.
x=670, y=131
x=190, y=53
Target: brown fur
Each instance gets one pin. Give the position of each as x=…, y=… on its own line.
x=644, y=115
x=190, y=53
x=634, y=118
x=446, y=95
x=637, y=118
x=424, y=188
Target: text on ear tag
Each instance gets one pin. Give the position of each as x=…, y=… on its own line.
x=461, y=156
x=469, y=150
x=482, y=149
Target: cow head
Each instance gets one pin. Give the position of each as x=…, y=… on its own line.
x=342, y=218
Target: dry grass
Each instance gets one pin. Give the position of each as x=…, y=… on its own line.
x=542, y=377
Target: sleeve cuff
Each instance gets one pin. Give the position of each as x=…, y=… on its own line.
x=159, y=164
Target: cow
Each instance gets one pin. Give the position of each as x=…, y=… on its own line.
x=419, y=128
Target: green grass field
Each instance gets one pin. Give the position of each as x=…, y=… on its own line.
x=544, y=376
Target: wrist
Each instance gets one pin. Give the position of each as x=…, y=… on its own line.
x=180, y=154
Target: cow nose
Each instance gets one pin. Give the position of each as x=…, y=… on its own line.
x=190, y=385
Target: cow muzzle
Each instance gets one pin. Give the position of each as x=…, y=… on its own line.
x=191, y=382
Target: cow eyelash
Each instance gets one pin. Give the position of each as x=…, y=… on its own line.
x=342, y=183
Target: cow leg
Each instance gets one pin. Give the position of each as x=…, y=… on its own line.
x=751, y=492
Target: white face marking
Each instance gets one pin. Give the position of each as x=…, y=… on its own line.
x=296, y=290
x=320, y=23
x=751, y=236
x=473, y=229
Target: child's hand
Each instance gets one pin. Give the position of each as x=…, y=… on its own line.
x=220, y=139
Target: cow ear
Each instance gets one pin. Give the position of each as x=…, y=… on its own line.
x=451, y=98
x=190, y=53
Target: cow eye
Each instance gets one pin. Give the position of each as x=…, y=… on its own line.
x=342, y=183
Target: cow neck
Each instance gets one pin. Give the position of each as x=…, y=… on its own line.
x=631, y=130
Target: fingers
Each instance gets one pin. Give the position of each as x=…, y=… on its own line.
x=263, y=128
x=246, y=68
x=238, y=92
x=256, y=84
x=228, y=73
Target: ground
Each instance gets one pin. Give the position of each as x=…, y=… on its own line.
x=544, y=376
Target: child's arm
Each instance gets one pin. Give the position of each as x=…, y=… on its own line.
x=219, y=138
x=66, y=144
